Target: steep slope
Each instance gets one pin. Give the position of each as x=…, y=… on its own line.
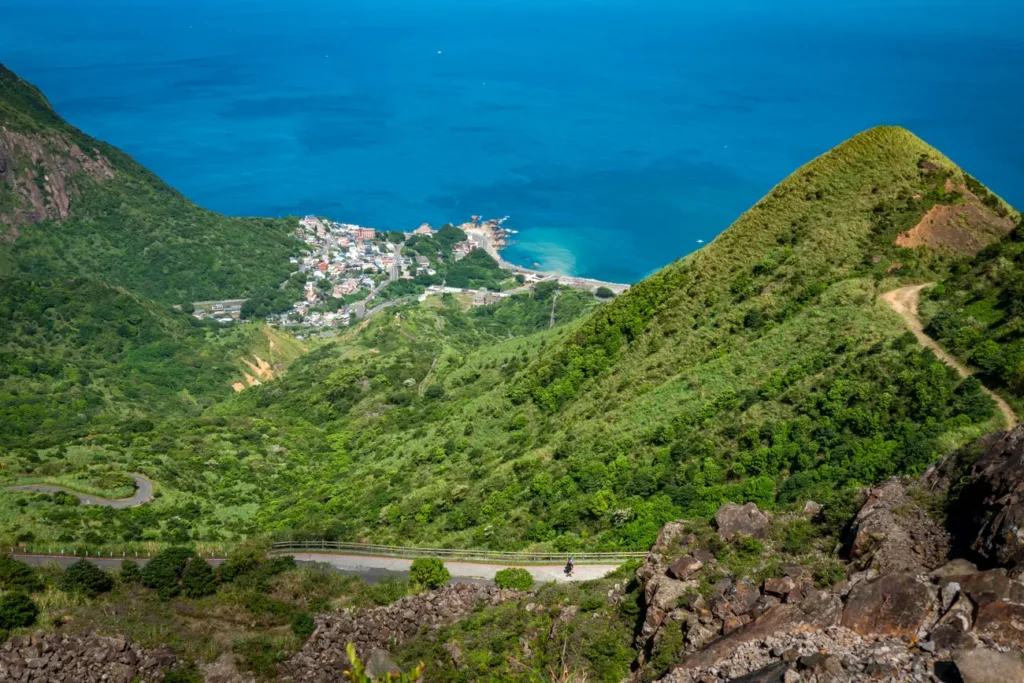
x=73, y=206
x=977, y=313
x=763, y=369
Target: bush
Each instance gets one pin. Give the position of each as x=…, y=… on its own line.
x=302, y=625
x=241, y=561
x=164, y=571
x=130, y=572
x=17, y=610
x=514, y=578
x=85, y=578
x=18, y=576
x=199, y=579
x=604, y=293
x=429, y=572
x=388, y=590
x=260, y=654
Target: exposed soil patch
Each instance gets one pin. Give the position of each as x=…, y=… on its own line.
x=963, y=228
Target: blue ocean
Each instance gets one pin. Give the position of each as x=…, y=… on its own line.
x=617, y=134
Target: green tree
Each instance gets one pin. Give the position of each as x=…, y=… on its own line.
x=17, y=611
x=130, y=572
x=603, y=292
x=85, y=578
x=429, y=572
x=18, y=576
x=164, y=571
x=199, y=579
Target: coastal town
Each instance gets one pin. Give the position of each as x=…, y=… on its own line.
x=350, y=271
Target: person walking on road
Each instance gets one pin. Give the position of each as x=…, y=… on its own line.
x=570, y=566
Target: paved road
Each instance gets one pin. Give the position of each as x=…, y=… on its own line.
x=369, y=569
x=360, y=564
x=143, y=493
x=905, y=302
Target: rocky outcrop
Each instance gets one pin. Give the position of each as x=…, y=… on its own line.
x=323, y=656
x=892, y=534
x=44, y=171
x=733, y=519
x=64, y=659
x=992, y=503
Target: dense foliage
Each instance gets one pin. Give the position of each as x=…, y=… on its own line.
x=17, y=576
x=515, y=578
x=17, y=610
x=85, y=578
x=429, y=572
x=978, y=313
x=164, y=571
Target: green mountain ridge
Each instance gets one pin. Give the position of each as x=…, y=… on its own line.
x=75, y=206
x=761, y=368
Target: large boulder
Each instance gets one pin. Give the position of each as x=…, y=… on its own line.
x=892, y=605
x=979, y=665
x=891, y=533
x=733, y=520
x=991, y=505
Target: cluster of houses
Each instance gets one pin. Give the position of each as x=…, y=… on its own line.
x=352, y=263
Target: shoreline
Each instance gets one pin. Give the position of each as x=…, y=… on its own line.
x=487, y=235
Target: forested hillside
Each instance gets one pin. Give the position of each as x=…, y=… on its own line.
x=76, y=207
x=762, y=368
x=977, y=313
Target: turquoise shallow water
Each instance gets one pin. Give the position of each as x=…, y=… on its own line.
x=615, y=134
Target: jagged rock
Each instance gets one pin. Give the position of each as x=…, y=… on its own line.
x=773, y=673
x=780, y=588
x=892, y=533
x=953, y=630
x=894, y=605
x=957, y=567
x=816, y=613
x=1001, y=622
x=685, y=567
x=732, y=520
x=980, y=665
x=994, y=497
x=743, y=596
x=812, y=509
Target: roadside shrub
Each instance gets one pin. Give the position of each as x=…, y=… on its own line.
x=130, y=572
x=85, y=578
x=241, y=561
x=429, y=572
x=164, y=571
x=514, y=578
x=302, y=625
x=17, y=610
x=199, y=579
x=18, y=576
x=388, y=590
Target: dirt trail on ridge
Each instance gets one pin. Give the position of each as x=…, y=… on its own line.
x=905, y=301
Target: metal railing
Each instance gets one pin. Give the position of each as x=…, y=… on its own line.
x=495, y=556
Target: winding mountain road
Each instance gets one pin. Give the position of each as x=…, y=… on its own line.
x=905, y=301
x=143, y=493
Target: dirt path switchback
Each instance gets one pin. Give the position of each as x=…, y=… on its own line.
x=904, y=301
